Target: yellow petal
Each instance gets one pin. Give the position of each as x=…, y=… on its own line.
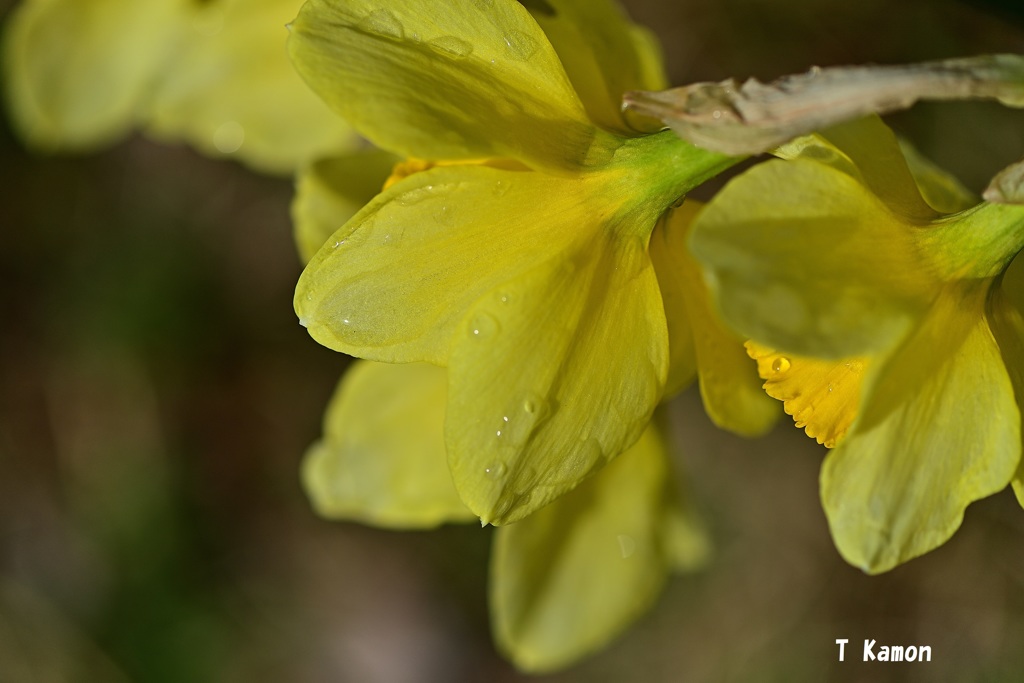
x=478, y=80
x=395, y=282
x=231, y=91
x=682, y=365
x=803, y=257
x=457, y=232
x=729, y=386
x=381, y=459
x=1006, y=318
x=939, y=429
x=77, y=71
x=330, y=191
x=603, y=54
x=569, y=578
x=823, y=396
x=587, y=330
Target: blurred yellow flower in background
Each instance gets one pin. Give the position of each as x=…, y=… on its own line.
x=80, y=74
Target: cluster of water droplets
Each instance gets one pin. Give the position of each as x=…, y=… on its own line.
x=519, y=46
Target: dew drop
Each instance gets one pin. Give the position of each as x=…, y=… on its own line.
x=483, y=326
x=450, y=46
x=496, y=470
x=520, y=46
x=780, y=365
x=500, y=188
x=228, y=137
x=503, y=297
x=384, y=23
x=578, y=463
x=716, y=114
x=444, y=216
x=627, y=545
x=830, y=388
x=417, y=195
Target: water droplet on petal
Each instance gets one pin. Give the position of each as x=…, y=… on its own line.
x=520, y=46
x=780, y=365
x=444, y=216
x=576, y=464
x=496, y=470
x=384, y=23
x=500, y=188
x=416, y=195
x=450, y=46
x=627, y=545
x=483, y=326
x=228, y=137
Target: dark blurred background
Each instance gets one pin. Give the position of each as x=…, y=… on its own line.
x=157, y=393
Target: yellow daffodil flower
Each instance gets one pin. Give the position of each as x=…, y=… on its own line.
x=80, y=74
x=519, y=258
x=889, y=324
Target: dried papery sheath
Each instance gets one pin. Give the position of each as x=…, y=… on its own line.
x=755, y=117
x=1008, y=186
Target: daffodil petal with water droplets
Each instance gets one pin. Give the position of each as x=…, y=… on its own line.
x=939, y=430
x=572, y=576
x=396, y=281
x=587, y=330
x=478, y=80
x=382, y=459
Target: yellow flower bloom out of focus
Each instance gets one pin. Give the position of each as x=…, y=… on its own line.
x=519, y=259
x=79, y=74
x=887, y=315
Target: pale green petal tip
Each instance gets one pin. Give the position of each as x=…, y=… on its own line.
x=572, y=576
x=940, y=429
x=381, y=460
